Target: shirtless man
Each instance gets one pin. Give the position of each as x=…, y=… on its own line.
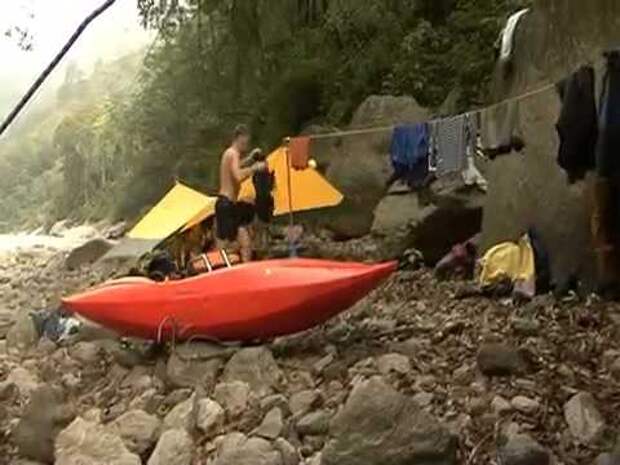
x=232, y=217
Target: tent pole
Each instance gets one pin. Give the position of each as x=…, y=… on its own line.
x=291, y=218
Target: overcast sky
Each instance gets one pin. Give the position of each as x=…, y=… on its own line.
x=51, y=23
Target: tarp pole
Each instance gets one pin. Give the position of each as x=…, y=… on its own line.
x=47, y=71
x=291, y=217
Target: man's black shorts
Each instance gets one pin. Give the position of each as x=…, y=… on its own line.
x=230, y=216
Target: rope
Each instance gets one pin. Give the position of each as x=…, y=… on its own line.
x=374, y=130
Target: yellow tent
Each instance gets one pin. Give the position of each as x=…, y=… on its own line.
x=178, y=207
x=309, y=190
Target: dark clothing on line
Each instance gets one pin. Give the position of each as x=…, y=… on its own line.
x=409, y=152
x=577, y=125
x=608, y=147
x=230, y=216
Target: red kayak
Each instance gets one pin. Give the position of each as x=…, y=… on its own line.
x=254, y=301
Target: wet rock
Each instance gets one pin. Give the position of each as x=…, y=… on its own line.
x=289, y=454
x=272, y=425
x=323, y=363
x=84, y=442
x=396, y=363
x=237, y=449
x=191, y=373
x=584, y=420
x=378, y=425
x=500, y=406
x=22, y=335
x=525, y=405
x=314, y=424
x=233, y=397
x=256, y=367
x=138, y=430
x=175, y=447
x=45, y=415
x=210, y=418
x=499, y=360
x=521, y=449
x=304, y=401
x=88, y=253
x=182, y=416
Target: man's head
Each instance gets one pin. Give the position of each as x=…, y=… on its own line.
x=241, y=138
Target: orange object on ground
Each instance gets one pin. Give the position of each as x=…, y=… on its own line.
x=249, y=302
x=299, y=151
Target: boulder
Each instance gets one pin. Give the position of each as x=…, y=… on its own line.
x=237, y=449
x=233, y=397
x=521, y=449
x=499, y=360
x=584, y=420
x=22, y=335
x=138, y=430
x=175, y=447
x=378, y=425
x=85, y=442
x=314, y=424
x=45, y=415
x=182, y=416
x=210, y=418
x=188, y=372
x=256, y=367
x=359, y=166
x=271, y=426
x=88, y=253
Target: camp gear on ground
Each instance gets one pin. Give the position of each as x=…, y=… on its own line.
x=461, y=261
x=508, y=35
x=230, y=216
x=55, y=325
x=249, y=302
x=512, y=261
x=299, y=152
x=409, y=153
x=162, y=267
x=207, y=262
x=577, y=125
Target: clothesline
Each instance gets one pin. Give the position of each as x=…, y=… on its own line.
x=378, y=129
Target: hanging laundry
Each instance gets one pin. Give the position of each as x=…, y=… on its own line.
x=577, y=125
x=450, y=144
x=608, y=146
x=500, y=129
x=409, y=152
x=471, y=174
x=299, y=151
x=507, y=36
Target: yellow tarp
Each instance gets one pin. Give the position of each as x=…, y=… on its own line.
x=178, y=207
x=309, y=189
x=508, y=260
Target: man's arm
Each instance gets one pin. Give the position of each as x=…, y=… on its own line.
x=241, y=174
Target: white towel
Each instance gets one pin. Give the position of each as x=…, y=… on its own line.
x=508, y=34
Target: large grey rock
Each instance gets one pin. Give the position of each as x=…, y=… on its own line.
x=237, y=449
x=210, y=418
x=44, y=417
x=83, y=442
x=138, y=430
x=192, y=371
x=175, y=447
x=378, y=425
x=584, y=420
x=359, y=166
x=499, y=360
x=521, y=449
x=256, y=367
x=271, y=426
x=182, y=416
x=22, y=335
x=88, y=253
x=233, y=397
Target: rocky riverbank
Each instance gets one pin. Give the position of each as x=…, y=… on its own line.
x=415, y=374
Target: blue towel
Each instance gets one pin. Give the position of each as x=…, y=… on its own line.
x=409, y=152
